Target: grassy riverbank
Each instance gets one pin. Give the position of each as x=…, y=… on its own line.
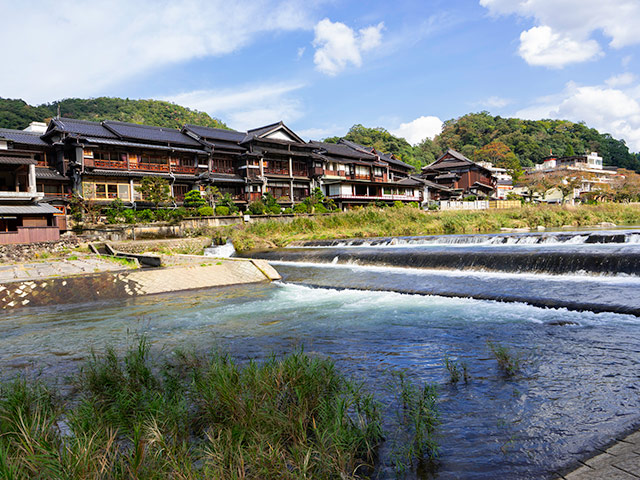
x=400, y=221
x=193, y=416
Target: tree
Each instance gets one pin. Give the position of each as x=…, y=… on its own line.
x=154, y=190
x=212, y=194
x=194, y=199
x=500, y=155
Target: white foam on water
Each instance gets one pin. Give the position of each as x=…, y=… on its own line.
x=482, y=240
x=361, y=301
x=620, y=279
x=220, y=251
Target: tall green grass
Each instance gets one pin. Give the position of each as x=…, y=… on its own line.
x=404, y=221
x=192, y=417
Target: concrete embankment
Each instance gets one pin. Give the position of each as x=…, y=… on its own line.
x=105, y=285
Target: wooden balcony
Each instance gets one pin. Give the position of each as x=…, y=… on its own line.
x=392, y=198
x=115, y=164
x=184, y=169
x=300, y=173
x=276, y=171
x=150, y=167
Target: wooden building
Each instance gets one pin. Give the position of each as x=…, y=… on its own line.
x=352, y=175
x=459, y=176
x=23, y=177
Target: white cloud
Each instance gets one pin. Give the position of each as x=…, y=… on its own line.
x=542, y=47
x=419, y=129
x=564, y=28
x=62, y=49
x=247, y=107
x=621, y=80
x=337, y=45
x=609, y=110
x=494, y=102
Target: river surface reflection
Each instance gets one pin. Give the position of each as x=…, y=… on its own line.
x=577, y=391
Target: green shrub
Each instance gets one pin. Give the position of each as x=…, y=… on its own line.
x=470, y=198
x=320, y=209
x=288, y=210
x=274, y=209
x=162, y=215
x=178, y=214
x=129, y=216
x=413, y=204
x=145, y=215
x=256, y=208
x=205, y=211
x=300, y=208
x=222, y=210
x=398, y=204
x=194, y=199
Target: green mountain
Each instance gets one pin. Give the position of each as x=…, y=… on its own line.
x=18, y=114
x=529, y=140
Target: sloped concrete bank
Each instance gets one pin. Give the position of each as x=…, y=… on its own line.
x=129, y=283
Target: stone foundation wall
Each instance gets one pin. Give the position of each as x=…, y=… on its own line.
x=29, y=251
x=128, y=283
x=186, y=245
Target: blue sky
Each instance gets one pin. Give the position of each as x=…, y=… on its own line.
x=324, y=65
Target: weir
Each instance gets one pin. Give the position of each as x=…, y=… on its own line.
x=583, y=271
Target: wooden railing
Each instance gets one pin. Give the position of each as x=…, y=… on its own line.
x=300, y=173
x=110, y=164
x=184, y=169
x=277, y=171
x=151, y=167
x=408, y=198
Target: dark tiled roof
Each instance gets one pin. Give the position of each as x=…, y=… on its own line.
x=410, y=181
x=79, y=127
x=20, y=136
x=383, y=156
x=340, y=150
x=209, y=133
x=10, y=160
x=33, y=209
x=222, y=177
x=48, y=173
x=257, y=132
x=149, y=133
x=124, y=143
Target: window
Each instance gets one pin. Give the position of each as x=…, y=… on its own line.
x=101, y=191
x=123, y=191
x=108, y=191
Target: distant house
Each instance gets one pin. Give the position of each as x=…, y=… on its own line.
x=457, y=176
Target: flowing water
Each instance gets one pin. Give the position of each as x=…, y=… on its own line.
x=579, y=385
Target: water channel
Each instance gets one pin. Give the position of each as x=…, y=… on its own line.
x=374, y=310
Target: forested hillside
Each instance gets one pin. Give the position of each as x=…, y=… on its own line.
x=18, y=114
x=511, y=142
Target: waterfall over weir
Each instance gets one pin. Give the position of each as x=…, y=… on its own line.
x=585, y=271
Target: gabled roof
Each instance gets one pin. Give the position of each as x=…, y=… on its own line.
x=210, y=133
x=451, y=159
x=149, y=133
x=387, y=157
x=15, y=160
x=48, y=173
x=264, y=132
x=22, y=137
x=342, y=150
x=78, y=127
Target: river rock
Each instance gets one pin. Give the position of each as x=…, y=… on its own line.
x=561, y=323
x=607, y=225
x=541, y=228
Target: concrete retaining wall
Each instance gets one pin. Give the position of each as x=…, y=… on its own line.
x=129, y=283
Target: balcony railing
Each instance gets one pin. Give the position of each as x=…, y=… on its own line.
x=277, y=171
x=110, y=164
x=150, y=167
x=300, y=173
x=407, y=198
x=359, y=177
x=184, y=169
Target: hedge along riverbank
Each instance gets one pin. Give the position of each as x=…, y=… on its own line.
x=407, y=221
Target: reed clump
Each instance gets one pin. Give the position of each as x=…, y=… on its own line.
x=406, y=221
x=191, y=417
x=508, y=362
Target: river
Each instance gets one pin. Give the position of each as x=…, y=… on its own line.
x=578, y=388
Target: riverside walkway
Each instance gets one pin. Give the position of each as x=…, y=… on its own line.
x=621, y=461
